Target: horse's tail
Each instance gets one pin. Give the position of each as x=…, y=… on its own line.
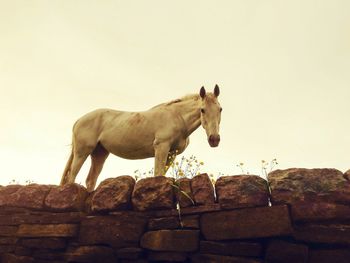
x=66, y=171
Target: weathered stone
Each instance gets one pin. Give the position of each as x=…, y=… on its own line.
x=279, y=251
x=208, y=258
x=192, y=210
x=52, y=230
x=45, y=243
x=34, y=217
x=8, y=240
x=173, y=222
x=171, y=240
x=317, y=233
x=140, y=260
x=30, y=196
x=311, y=185
x=10, y=258
x=113, y=194
x=320, y=211
x=6, y=194
x=124, y=230
x=202, y=190
x=47, y=254
x=69, y=197
x=329, y=255
x=91, y=254
x=7, y=249
x=347, y=175
x=241, y=191
x=167, y=256
x=246, y=223
x=88, y=202
x=8, y=231
x=184, y=192
x=163, y=223
x=153, y=193
x=130, y=253
x=233, y=248
x=23, y=251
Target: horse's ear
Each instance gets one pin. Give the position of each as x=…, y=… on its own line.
x=202, y=92
x=216, y=90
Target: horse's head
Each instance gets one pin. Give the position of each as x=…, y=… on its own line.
x=211, y=115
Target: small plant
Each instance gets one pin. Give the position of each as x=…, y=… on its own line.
x=187, y=167
x=26, y=182
x=13, y=181
x=266, y=167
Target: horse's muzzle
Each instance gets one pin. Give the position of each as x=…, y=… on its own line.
x=214, y=140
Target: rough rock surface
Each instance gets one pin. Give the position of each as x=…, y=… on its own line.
x=320, y=211
x=329, y=255
x=173, y=222
x=184, y=185
x=323, y=233
x=46, y=243
x=91, y=254
x=232, y=248
x=167, y=256
x=246, y=223
x=210, y=258
x=314, y=185
x=347, y=175
x=171, y=240
x=202, y=190
x=124, y=230
x=282, y=251
x=153, y=193
x=241, y=191
x=51, y=230
x=9, y=258
x=30, y=196
x=113, y=194
x=69, y=197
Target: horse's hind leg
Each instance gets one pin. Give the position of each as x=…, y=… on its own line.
x=98, y=157
x=79, y=158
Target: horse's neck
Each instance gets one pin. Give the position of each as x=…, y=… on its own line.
x=190, y=112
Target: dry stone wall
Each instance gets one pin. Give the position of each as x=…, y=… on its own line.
x=299, y=215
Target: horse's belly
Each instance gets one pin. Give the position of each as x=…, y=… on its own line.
x=130, y=150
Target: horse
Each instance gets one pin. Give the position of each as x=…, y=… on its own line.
x=161, y=132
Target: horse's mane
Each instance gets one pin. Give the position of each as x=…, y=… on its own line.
x=184, y=98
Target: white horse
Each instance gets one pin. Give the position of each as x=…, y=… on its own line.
x=159, y=132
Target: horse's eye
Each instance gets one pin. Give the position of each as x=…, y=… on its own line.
x=202, y=111
x=220, y=109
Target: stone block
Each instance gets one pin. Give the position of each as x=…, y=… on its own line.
x=310, y=185
x=246, y=223
x=69, y=197
x=51, y=230
x=91, y=254
x=153, y=193
x=232, y=248
x=113, y=194
x=323, y=233
x=202, y=190
x=279, y=251
x=241, y=191
x=171, y=240
x=124, y=230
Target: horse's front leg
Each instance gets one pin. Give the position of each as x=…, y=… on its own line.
x=161, y=151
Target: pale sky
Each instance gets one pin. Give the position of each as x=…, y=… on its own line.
x=282, y=66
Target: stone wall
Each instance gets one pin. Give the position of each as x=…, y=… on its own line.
x=300, y=215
